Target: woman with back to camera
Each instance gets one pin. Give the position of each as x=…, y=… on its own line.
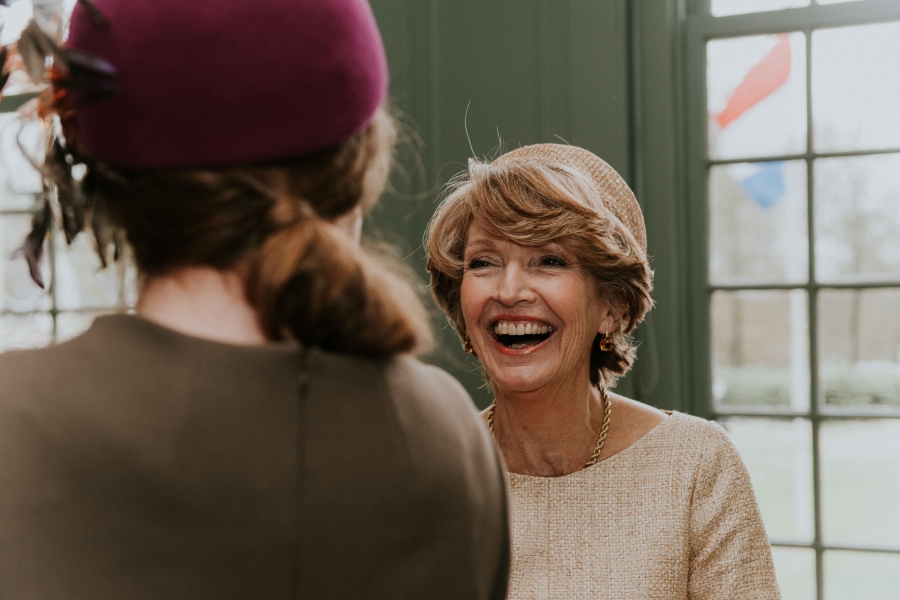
x=257, y=430
x=539, y=259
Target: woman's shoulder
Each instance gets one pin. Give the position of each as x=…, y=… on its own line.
x=407, y=373
x=706, y=445
x=707, y=436
x=422, y=395
x=430, y=394
x=684, y=438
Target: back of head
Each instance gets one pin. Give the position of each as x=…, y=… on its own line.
x=230, y=134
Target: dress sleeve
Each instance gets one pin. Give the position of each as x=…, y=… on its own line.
x=730, y=553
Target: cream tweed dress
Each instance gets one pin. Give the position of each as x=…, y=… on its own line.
x=671, y=517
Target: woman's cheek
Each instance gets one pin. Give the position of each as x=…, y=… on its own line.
x=470, y=301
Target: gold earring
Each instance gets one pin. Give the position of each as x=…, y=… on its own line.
x=606, y=342
x=467, y=346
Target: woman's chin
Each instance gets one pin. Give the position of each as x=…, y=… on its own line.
x=508, y=380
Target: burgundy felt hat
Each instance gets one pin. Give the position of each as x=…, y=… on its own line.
x=211, y=83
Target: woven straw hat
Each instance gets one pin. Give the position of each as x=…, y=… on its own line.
x=615, y=194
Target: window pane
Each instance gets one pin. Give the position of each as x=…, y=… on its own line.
x=18, y=293
x=69, y=324
x=14, y=17
x=81, y=283
x=861, y=575
x=859, y=347
x=778, y=455
x=757, y=96
x=860, y=463
x=25, y=331
x=857, y=203
x=835, y=1
x=19, y=180
x=758, y=223
x=856, y=87
x=795, y=569
x=131, y=278
x=723, y=8
x=760, y=349
x=10, y=200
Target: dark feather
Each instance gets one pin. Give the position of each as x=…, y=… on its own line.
x=100, y=224
x=4, y=74
x=90, y=63
x=33, y=248
x=117, y=245
x=58, y=168
x=32, y=52
x=103, y=234
x=97, y=16
x=89, y=75
x=34, y=47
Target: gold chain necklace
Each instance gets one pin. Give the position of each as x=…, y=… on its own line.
x=604, y=428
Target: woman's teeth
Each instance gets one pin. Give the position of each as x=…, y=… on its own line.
x=511, y=328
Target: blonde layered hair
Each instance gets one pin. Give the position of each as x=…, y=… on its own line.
x=533, y=202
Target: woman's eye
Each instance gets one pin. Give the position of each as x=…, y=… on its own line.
x=478, y=263
x=552, y=261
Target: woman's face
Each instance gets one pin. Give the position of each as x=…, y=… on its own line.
x=532, y=313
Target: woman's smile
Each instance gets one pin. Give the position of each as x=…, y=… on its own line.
x=516, y=336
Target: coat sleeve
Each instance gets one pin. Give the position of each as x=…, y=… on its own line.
x=730, y=553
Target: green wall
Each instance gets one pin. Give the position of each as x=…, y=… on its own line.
x=528, y=71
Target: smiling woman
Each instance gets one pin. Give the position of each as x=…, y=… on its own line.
x=539, y=259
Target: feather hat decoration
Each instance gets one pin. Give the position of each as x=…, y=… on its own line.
x=148, y=85
x=50, y=75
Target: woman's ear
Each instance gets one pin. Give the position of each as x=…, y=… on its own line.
x=612, y=320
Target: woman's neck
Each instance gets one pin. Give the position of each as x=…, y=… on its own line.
x=548, y=433
x=202, y=302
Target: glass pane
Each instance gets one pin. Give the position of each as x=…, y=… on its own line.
x=857, y=202
x=856, y=87
x=756, y=90
x=861, y=575
x=835, y=1
x=758, y=223
x=723, y=8
x=778, y=455
x=860, y=464
x=18, y=293
x=25, y=331
x=132, y=279
x=10, y=200
x=760, y=349
x=859, y=347
x=81, y=283
x=795, y=569
x=17, y=175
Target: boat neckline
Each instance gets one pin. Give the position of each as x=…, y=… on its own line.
x=640, y=442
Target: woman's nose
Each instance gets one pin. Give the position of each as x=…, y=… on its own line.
x=514, y=287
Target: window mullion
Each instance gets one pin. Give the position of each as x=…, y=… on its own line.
x=812, y=298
